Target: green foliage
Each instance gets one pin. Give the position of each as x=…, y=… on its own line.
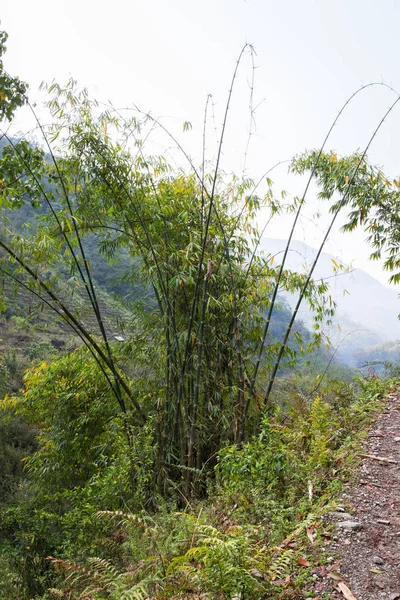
x=373, y=200
x=82, y=436
x=83, y=462
x=392, y=370
x=262, y=461
x=222, y=566
x=12, y=366
x=374, y=387
x=4, y=380
x=298, y=453
x=41, y=351
x=17, y=440
x=74, y=412
x=101, y=580
x=19, y=322
x=12, y=89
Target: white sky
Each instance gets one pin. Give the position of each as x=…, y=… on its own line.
x=167, y=55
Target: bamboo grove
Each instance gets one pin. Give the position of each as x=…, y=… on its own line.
x=199, y=355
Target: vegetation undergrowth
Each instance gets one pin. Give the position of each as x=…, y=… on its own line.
x=250, y=538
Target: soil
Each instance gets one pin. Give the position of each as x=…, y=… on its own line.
x=369, y=557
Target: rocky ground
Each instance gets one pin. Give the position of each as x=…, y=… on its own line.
x=367, y=525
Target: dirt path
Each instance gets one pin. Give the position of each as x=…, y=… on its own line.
x=367, y=539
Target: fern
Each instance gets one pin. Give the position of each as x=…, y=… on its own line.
x=281, y=563
x=223, y=563
x=99, y=581
x=124, y=518
x=137, y=592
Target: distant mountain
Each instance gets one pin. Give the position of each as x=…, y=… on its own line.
x=366, y=315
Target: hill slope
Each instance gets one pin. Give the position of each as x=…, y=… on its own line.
x=367, y=311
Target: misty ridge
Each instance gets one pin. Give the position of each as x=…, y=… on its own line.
x=366, y=323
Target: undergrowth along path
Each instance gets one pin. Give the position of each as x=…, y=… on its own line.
x=369, y=550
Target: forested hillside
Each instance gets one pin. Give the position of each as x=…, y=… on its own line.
x=169, y=426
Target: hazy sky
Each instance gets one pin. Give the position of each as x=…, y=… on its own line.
x=167, y=55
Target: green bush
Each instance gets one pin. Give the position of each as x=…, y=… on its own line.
x=41, y=351
x=4, y=380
